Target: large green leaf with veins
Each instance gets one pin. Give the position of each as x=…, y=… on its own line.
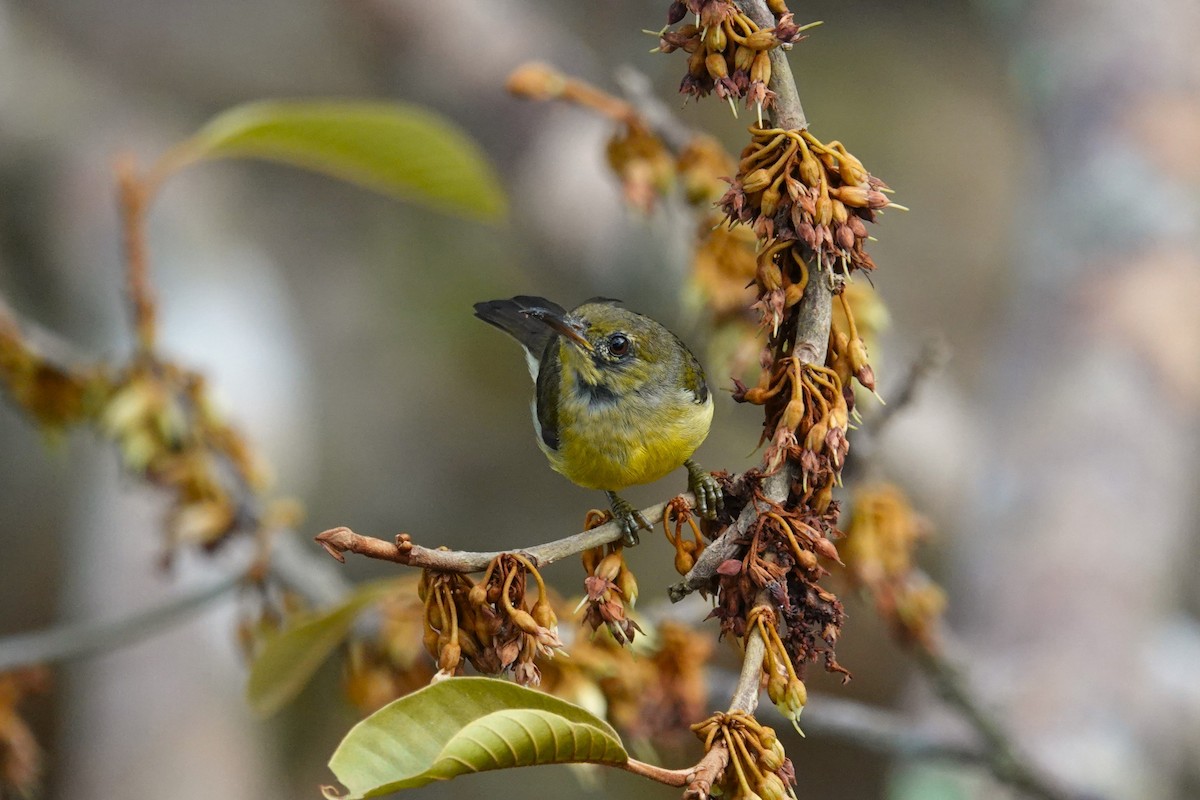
x=465, y=725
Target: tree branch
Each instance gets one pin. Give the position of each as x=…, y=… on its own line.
x=1000, y=754
x=338, y=541
x=80, y=639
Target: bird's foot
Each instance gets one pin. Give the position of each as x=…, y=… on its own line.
x=628, y=517
x=709, y=497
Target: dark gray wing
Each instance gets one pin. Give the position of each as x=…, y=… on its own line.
x=549, y=381
x=693, y=373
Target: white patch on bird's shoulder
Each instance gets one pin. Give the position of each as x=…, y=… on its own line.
x=534, y=365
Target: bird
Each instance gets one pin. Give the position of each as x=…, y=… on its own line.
x=620, y=400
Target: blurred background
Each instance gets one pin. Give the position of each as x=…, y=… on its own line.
x=1050, y=153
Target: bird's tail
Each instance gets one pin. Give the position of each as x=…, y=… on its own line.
x=506, y=315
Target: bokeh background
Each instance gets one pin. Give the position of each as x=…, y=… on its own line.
x=1050, y=153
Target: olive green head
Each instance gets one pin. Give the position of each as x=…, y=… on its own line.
x=605, y=345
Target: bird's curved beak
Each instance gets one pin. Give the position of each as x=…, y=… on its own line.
x=560, y=324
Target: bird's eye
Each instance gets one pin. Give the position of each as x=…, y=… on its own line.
x=618, y=344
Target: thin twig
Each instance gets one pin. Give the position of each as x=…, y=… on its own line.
x=337, y=541
x=134, y=198
x=1001, y=755
x=81, y=639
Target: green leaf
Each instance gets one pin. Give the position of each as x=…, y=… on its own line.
x=394, y=148
x=464, y=725
x=289, y=658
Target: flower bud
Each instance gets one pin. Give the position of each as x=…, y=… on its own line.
x=769, y=275
x=536, y=82
x=761, y=40
x=824, y=210
x=815, y=439
x=770, y=201
x=430, y=639
x=716, y=66
x=715, y=39
x=684, y=562
x=478, y=595
x=855, y=196
x=771, y=787
x=844, y=236
x=810, y=169
x=806, y=559
x=756, y=181
x=760, y=69
x=827, y=549
x=777, y=688
x=676, y=11
x=627, y=584
x=591, y=558
x=450, y=657
x=743, y=59
x=793, y=414
x=857, y=227
x=524, y=620
x=543, y=614
x=610, y=566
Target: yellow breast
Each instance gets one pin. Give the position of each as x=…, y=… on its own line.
x=628, y=442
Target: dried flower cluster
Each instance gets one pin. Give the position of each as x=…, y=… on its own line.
x=489, y=623
x=610, y=590
x=884, y=531
x=758, y=765
x=727, y=50
x=392, y=662
x=54, y=395
x=808, y=203
x=651, y=693
x=167, y=429
x=781, y=563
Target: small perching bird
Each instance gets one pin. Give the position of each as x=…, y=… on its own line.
x=620, y=400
